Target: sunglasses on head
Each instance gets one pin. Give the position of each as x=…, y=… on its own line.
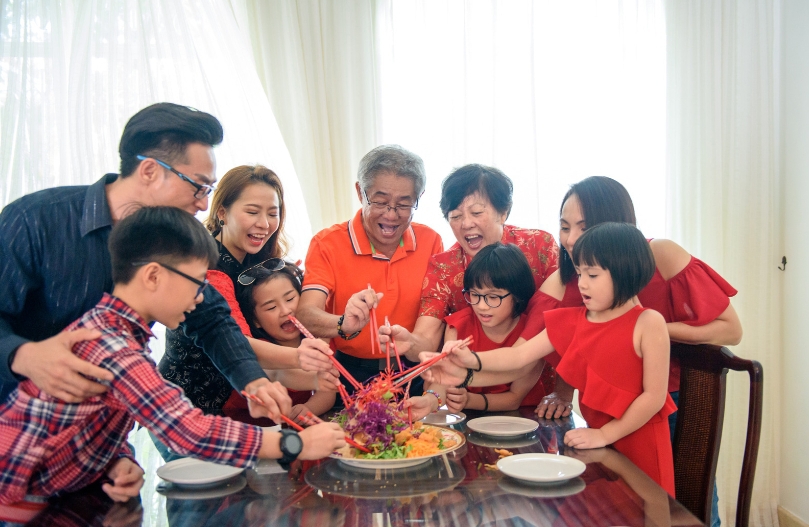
x=272, y=265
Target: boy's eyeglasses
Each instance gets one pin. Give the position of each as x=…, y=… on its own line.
x=491, y=300
x=383, y=208
x=203, y=284
x=202, y=190
x=272, y=265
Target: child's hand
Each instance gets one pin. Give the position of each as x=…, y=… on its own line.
x=460, y=355
x=313, y=355
x=328, y=380
x=457, y=399
x=444, y=372
x=585, y=438
x=321, y=440
x=297, y=410
x=421, y=406
x=274, y=399
x=127, y=479
x=400, y=334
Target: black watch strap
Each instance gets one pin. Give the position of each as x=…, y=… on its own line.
x=291, y=445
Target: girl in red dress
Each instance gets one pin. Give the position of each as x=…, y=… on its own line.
x=615, y=352
x=267, y=299
x=498, y=284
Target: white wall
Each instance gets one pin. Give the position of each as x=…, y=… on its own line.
x=795, y=129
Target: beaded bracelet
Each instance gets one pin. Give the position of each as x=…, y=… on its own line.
x=440, y=402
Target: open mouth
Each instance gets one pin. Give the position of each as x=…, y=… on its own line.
x=388, y=230
x=288, y=327
x=256, y=240
x=585, y=298
x=474, y=241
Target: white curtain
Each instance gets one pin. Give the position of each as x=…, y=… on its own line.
x=549, y=92
x=723, y=199
x=317, y=60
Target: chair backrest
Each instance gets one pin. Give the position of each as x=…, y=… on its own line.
x=698, y=434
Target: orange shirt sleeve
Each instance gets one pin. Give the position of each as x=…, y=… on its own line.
x=320, y=266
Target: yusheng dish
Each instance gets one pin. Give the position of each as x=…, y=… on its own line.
x=375, y=418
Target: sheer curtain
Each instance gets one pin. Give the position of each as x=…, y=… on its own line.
x=723, y=199
x=549, y=92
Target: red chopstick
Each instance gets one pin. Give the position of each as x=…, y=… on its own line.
x=298, y=427
x=426, y=365
x=393, y=342
x=334, y=360
x=374, y=329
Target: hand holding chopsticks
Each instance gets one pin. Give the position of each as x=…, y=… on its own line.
x=334, y=361
x=308, y=417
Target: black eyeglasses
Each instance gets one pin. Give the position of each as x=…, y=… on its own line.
x=202, y=190
x=272, y=265
x=383, y=208
x=203, y=284
x=491, y=300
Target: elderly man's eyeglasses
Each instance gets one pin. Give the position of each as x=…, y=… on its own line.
x=202, y=190
x=383, y=208
x=272, y=265
x=491, y=300
x=203, y=284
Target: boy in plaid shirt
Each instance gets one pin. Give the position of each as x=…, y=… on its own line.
x=159, y=259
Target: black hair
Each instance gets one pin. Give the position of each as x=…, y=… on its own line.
x=247, y=302
x=465, y=181
x=621, y=249
x=163, y=131
x=602, y=199
x=502, y=267
x=158, y=234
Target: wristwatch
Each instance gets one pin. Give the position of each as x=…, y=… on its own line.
x=291, y=445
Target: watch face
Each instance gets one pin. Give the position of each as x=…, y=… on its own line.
x=292, y=444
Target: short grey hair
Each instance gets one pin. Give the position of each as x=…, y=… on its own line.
x=393, y=159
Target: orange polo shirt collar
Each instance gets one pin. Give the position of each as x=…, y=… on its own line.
x=362, y=244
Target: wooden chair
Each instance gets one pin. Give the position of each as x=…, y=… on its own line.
x=698, y=432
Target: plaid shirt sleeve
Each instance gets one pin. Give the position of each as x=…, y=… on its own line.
x=163, y=409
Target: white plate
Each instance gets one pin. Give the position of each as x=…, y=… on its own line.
x=502, y=426
x=194, y=472
x=541, y=468
x=568, y=488
x=502, y=442
x=178, y=492
x=447, y=433
x=444, y=418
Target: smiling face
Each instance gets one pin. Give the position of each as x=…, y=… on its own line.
x=385, y=227
x=476, y=223
x=596, y=287
x=177, y=294
x=275, y=300
x=571, y=223
x=250, y=220
x=171, y=190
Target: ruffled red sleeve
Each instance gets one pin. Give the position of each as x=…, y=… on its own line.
x=535, y=320
x=224, y=285
x=695, y=296
x=561, y=325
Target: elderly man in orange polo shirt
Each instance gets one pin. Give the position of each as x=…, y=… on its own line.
x=380, y=246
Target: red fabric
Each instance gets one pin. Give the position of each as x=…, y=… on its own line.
x=224, y=285
x=694, y=296
x=600, y=361
x=535, y=322
x=441, y=292
x=466, y=323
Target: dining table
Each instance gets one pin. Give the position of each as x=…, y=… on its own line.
x=461, y=488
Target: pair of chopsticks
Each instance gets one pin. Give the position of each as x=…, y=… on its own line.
x=334, y=360
x=410, y=374
x=309, y=417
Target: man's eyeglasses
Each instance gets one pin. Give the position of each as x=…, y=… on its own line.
x=384, y=208
x=272, y=265
x=202, y=190
x=203, y=284
x=491, y=300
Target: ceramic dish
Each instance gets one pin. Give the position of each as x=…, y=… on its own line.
x=178, y=492
x=502, y=442
x=373, y=464
x=541, y=468
x=502, y=426
x=567, y=488
x=444, y=418
x=189, y=472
